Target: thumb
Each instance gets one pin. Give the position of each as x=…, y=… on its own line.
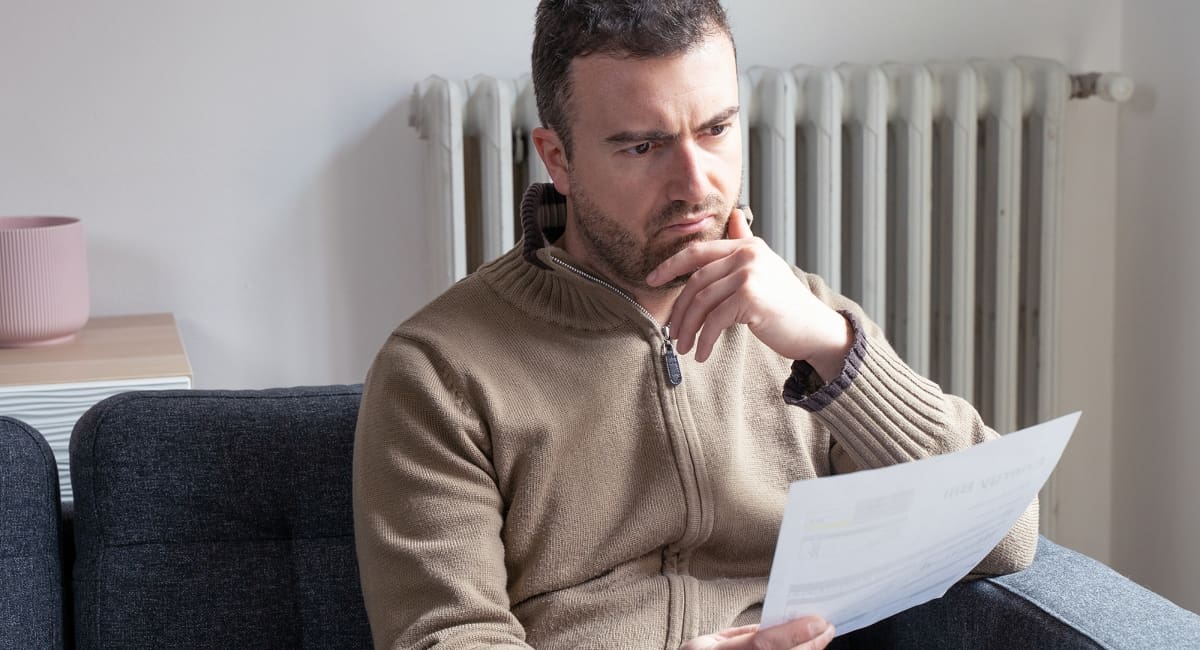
x=738, y=227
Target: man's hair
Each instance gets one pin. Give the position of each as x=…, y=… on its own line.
x=638, y=29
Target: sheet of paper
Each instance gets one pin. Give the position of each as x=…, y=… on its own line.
x=857, y=548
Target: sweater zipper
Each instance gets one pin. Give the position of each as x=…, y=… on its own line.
x=674, y=378
x=670, y=359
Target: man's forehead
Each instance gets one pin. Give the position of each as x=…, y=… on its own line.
x=702, y=80
x=715, y=50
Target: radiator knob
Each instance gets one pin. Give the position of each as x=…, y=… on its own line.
x=1114, y=87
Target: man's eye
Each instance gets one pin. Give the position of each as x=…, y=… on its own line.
x=642, y=149
x=718, y=129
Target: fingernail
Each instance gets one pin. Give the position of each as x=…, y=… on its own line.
x=652, y=277
x=829, y=632
x=815, y=628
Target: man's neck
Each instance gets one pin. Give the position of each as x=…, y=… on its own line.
x=656, y=301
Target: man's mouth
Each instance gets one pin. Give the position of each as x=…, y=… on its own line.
x=690, y=225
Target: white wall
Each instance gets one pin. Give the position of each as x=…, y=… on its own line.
x=245, y=165
x=1156, y=520
x=249, y=167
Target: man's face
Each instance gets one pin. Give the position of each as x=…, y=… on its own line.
x=657, y=156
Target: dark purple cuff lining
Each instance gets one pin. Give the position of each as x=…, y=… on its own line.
x=801, y=388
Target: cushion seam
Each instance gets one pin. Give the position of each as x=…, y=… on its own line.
x=223, y=541
x=185, y=395
x=1049, y=612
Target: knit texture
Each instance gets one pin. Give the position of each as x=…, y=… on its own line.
x=216, y=519
x=31, y=567
x=526, y=475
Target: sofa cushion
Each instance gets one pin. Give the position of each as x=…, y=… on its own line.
x=217, y=519
x=1064, y=600
x=31, y=599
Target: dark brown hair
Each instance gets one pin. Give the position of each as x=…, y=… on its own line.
x=640, y=29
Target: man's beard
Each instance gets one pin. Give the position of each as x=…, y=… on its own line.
x=617, y=250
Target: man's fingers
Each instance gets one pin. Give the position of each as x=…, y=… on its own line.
x=821, y=641
x=738, y=631
x=689, y=259
x=718, y=639
x=697, y=298
x=719, y=319
x=808, y=633
x=697, y=255
x=738, y=227
x=699, y=316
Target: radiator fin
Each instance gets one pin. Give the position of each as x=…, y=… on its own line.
x=929, y=193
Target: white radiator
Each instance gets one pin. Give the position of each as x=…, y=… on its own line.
x=928, y=193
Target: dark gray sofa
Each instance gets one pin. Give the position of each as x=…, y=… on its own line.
x=31, y=568
x=217, y=520
x=222, y=519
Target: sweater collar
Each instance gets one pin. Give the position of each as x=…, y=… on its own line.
x=542, y=209
x=537, y=276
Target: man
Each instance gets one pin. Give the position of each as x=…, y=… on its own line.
x=588, y=442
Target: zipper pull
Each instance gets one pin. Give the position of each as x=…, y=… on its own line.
x=670, y=359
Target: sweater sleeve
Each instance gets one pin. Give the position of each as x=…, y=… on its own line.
x=427, y=512
x=880, y=412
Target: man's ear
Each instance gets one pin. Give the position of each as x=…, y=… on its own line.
x=550, y=147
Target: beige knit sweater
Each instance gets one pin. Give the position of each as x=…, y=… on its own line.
x=527, y=474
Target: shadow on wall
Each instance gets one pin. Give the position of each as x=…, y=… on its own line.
x=373, y=237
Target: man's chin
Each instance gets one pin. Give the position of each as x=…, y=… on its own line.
x=669, y=249
x=676, y=283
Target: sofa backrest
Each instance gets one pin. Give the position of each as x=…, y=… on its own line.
x=31, y=601
x=217, y=519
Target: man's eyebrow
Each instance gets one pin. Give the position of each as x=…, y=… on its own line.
x=632, y=137
x=722, y=117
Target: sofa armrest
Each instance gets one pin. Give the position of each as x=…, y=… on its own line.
x=31, y=568
x=1064, y=600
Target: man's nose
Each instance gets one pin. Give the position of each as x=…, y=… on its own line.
x=689, y=178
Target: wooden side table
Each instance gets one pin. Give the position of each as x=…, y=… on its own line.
x=50, y=387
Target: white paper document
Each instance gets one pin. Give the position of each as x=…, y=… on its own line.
x=857, y=548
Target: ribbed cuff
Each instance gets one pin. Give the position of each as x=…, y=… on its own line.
x=804, y=388
x=890, y=414
x=878, y=408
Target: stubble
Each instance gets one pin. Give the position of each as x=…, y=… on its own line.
x=629, y=258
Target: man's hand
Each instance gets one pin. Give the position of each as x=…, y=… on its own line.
x=741, y=280
x=808, y=633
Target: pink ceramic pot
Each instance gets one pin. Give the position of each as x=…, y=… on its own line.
x=43, y=280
